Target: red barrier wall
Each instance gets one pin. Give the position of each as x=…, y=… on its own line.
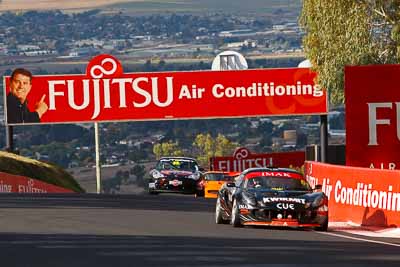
x=359, y=195
x=10, y=183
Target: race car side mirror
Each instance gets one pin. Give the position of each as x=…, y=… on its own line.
x=230, y=184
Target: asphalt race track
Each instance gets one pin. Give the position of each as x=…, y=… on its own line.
x=164, y=230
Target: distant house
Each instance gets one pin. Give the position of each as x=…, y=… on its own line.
x=89, y=42
x=83, y=51
x=3, y=50
x=237, y=33
x=27, y=47
x=11, y=52
x=38, y=53
x=140, y=37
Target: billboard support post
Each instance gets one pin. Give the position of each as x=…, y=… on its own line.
x=9, y=139
x=324, y=138
x=98, y=166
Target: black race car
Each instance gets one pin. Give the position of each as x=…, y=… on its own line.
x=175, y=174
x=272, y=197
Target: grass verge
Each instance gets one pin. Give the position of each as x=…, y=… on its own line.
x=45, y=172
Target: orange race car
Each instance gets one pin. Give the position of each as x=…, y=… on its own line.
x=213, y=180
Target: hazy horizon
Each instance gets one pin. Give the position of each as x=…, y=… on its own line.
x=154, y=6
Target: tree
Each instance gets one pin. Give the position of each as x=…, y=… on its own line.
x=209, y=147
x=136, y=154
x=139, y=172
x=223, y=146
x=61, y=46
x=167, y=149
x=349, y=32
x=385, y=22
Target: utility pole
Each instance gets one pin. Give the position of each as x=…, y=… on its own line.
x=98, y=163
x=9, y=139
x=324, y=138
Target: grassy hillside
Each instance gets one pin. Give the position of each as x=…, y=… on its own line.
x=48, y=173
x=23, y=5
x=259, y=7
x=154, y=6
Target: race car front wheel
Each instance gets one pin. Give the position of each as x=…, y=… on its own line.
x=218, y=213
x=323, y=227
x=235, y=217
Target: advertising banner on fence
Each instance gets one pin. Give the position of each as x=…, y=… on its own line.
x=106, y=93
x=10, y=183
x=373, y=116
x=243, y=159
x=359, y=195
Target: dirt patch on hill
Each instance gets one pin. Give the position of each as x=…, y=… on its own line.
x=24, y=5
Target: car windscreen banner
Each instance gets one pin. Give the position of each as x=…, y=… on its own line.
x=373, y=116
x=106, y=93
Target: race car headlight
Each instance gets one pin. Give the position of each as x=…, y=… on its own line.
x=157, y=175
x=249, y=200
x=318, y=202
x=194, y=176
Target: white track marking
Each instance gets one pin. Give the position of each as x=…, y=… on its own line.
x=361, y=239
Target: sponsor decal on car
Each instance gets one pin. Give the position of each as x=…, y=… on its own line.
x=175, y=182
x=284, y=199
x=275, y=174
x=285, y=206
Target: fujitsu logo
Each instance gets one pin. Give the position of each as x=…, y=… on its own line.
x=373, y=121
x=105, y=80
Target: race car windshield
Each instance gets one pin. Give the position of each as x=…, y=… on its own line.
x=277, y=183
x=178, y=165
x=218, y=177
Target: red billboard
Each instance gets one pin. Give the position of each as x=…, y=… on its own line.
x=373, y=116
x=358, y=195
x=106, y=93
x=242, y=159
x=10, y=183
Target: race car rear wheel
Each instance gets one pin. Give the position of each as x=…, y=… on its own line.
x=235, y=217
x=199, y=193
x=218, y=213
x=152, y=192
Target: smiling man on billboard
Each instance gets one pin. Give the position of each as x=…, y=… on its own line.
x=17, y=103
